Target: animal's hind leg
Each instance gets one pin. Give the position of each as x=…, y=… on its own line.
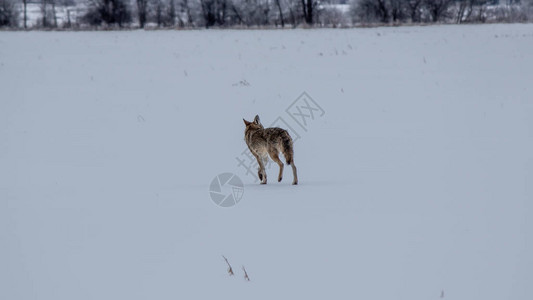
x=275, y=157
x=294, y=173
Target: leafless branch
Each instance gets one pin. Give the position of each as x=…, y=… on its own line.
x=245, y=274
x=230, y=270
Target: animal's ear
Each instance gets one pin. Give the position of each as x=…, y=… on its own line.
x=256, y=119
x=246, y=122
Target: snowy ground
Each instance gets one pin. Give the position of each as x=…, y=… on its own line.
x=415, y=183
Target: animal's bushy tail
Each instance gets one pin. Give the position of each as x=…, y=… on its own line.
x=288, y=151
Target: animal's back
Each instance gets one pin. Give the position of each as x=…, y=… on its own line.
x=275, y=135
x=281, y=140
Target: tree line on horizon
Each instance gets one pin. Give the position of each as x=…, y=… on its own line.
x=107, y=14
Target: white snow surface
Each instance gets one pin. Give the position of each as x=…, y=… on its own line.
x=415, y=183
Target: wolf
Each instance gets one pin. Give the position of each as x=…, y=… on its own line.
x=271, y=141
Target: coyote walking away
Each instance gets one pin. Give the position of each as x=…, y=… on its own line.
x=271, y=141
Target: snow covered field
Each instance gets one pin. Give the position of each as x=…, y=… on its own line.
x=416, y=182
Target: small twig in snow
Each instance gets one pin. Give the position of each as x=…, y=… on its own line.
x=245, y=274
x=230, y=270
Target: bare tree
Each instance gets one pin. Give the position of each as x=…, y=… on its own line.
x=48, y=13
x=25, y=7
x=159, y=16
x=292, y=6
x=331, y=16
x=8, y=13
x=214, y=12
x=527, y=8
x=280, y=10
x=237, y=14
x=172, y=14
x=54, y=15
x=108, y=12
x=69, y=6
x=142, y=11
x=250, y=12
x=514, y=11
x=308, y=10
x=471, y=10
x=164, y=13
x=265, y=12
x=44, y=13
x=186, y=9
x=371, y=11
x=437, y=8
x=208, y=12
x=413, y=10
x=397, y=11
